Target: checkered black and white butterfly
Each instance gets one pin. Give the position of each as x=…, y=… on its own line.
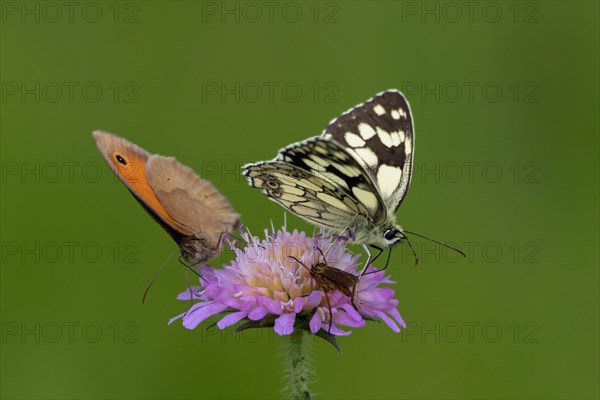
x=353, y=177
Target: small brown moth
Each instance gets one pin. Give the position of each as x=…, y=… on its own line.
x=330, y=279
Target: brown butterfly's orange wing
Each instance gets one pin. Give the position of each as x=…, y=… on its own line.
x=129, y=162
x=191, y=201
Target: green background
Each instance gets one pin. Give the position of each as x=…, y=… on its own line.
x=517, y=319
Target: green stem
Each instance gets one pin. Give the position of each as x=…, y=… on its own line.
x=300, y=371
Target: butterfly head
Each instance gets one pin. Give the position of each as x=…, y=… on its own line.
x=392, y=236
x=197, y=250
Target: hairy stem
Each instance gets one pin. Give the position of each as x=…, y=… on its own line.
x=300, y=370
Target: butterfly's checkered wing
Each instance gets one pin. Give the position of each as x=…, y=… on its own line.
x=379, y=133
x=319, y=181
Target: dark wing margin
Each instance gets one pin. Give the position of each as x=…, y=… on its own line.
x=379, y=133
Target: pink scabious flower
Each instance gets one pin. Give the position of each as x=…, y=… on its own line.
x=265, y=287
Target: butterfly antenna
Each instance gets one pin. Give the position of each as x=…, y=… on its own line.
x=387, y=262
x=190, y=268
x=162, y=266
x=440, y=243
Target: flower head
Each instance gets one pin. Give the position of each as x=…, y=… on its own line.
x=270, y=284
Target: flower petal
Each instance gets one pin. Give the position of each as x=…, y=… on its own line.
x=262, y=283
x=175, y=318
x=390, y=322
x=273, y=306
x=231, y=319
x=218, y=292
x=315, y=323
x=343, y=318
x=394, y=313
x=284, y=324
x=299, y=304
x=190, y=293
x=336, y=331
x=352, y=313
x=313, y=299
x=199, y=312
x=257, y=313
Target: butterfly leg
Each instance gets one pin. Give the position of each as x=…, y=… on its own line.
x=370, y=258
x=189, y=285
x=387, y=262
x=378, y=254
x=362, y=272
x=190, y=267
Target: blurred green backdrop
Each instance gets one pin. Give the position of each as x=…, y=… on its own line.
x=505, y=99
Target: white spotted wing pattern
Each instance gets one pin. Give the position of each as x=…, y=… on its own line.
x=351, y=178
x=380, y=134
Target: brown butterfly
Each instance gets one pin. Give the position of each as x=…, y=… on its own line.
x=189, y=208
x=330, y=279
